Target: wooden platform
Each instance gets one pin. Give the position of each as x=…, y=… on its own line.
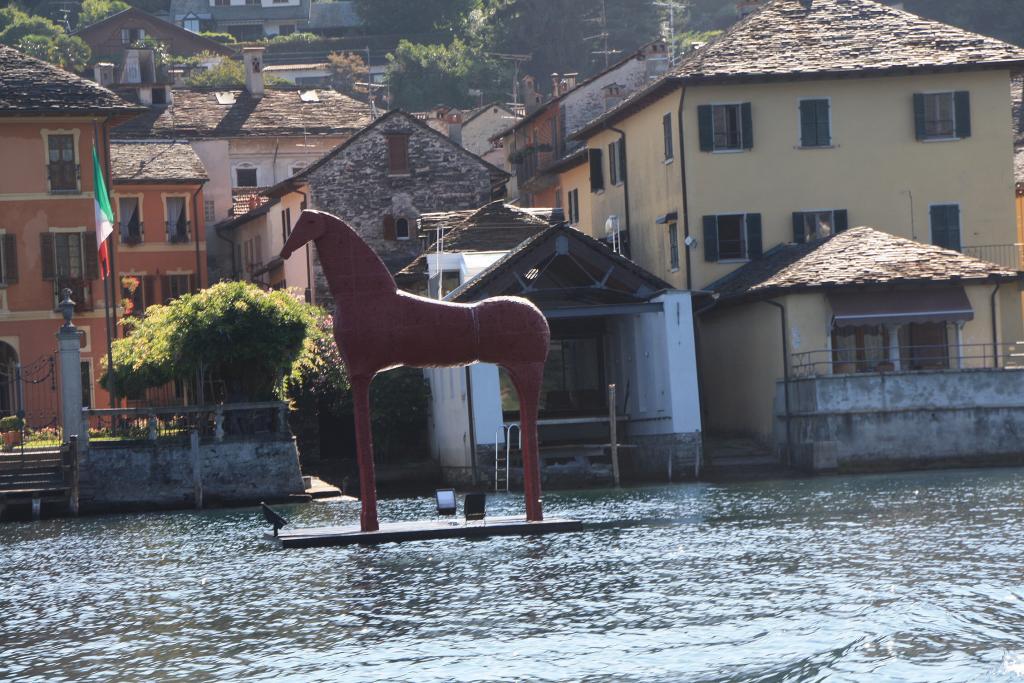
x=422, y=530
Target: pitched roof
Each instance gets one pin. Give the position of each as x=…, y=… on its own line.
x=245, y=199
x=563, y=266
x=797, y=37
x=155, y=162
x=208, y=43
x=855, y=258
x=197, y=113
x=788, y=39
x=304, y=173
x=29, y=86
x=493, y=227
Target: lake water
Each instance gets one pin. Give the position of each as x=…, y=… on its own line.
x=916, y=577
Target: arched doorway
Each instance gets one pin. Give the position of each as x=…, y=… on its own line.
x=8, y=385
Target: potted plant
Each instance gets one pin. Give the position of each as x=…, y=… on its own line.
x=10, y=427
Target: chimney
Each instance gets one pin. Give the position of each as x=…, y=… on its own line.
x=570, y=81
x=103, y=73
x=454, y=120
x=252, y=58
x=556, y=87
x=531, y=98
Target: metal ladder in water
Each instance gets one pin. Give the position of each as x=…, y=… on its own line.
x=501, y=460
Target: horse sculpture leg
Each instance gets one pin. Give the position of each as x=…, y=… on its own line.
x=364, y=453
x=527, y=379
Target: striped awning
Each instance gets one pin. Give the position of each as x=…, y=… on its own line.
x=941, y=304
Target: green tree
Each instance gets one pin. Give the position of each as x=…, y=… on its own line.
x=43, y=39
x=234, y=331
x=421, y=76
x=347, y=69
x=95, y=10
x=401, y=17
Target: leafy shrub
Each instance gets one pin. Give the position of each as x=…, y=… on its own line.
x=219, y=37
x=11, y=423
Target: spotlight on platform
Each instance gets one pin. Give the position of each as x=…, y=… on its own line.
x=272, y=517
x=446, y=502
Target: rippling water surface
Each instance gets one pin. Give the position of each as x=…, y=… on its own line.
x=899, y=577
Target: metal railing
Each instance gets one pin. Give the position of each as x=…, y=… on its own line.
x=1007, y=255
x=825, y=362
x=179, y=232
x=224, y=422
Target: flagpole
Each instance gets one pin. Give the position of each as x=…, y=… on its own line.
x=107, y=292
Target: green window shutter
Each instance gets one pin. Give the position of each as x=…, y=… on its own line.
x=962, y=107
x=919, y=123
x=953, y=227
x=824, y=123
x=666, y=133
x=798, y=228
x=596, y=170
x=10, y=274
x=808, y=123
x=710, y=238
x=389, y=232
x=748, y=125
x=754, y=248
x=842, y=220
x=622, y=159
x=937, y=217
x=47, y=256
x=92, y=266
x=705, y=121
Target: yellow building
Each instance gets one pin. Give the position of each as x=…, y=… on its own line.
x=805, y=119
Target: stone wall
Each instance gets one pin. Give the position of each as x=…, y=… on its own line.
x=161, y=476
x=355, y=185
x=904, y=420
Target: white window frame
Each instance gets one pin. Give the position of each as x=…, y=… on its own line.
x=940, y=138
x=959, y=226
x=189, y=219
x=799, y=124
x=727, y=150
x=408, y=232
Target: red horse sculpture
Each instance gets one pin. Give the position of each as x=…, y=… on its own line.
x=378, y=327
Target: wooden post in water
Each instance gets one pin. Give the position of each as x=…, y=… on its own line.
x=613, y=429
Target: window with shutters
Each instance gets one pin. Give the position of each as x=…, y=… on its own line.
x=574, y=206
x=398, y=154
x=8, y=260
x=62, y=166
x=129, y=220
x=673, y=247
x=728, y=130
x=812, y=225
x=815, y=123
x=286, y=224
x=177, y=285
x=666, y=134
x=177, y=219
x=945, y=225
x=69, y=260
x=725, y=127
x=732, y=237
x=942, y=116
x=613, y=162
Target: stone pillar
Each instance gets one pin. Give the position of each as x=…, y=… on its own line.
x=70, y=352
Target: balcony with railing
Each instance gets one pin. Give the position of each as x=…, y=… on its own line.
x=1007, y=255
x=132, y=232
x=179, y=232
x=906, y=358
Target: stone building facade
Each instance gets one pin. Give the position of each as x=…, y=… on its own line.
x=384, y=177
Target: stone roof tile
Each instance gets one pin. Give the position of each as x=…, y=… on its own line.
x=197, y=113
x=31, y=86
x=858, y=257
x=155, y=162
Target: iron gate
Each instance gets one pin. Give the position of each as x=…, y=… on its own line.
x=37, y=402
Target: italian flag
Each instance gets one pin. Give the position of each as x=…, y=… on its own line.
x=104, y=214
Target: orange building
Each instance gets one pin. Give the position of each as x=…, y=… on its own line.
x=161, y=226
x=49, y=119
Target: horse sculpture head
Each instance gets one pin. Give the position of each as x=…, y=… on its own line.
x=311, y=226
